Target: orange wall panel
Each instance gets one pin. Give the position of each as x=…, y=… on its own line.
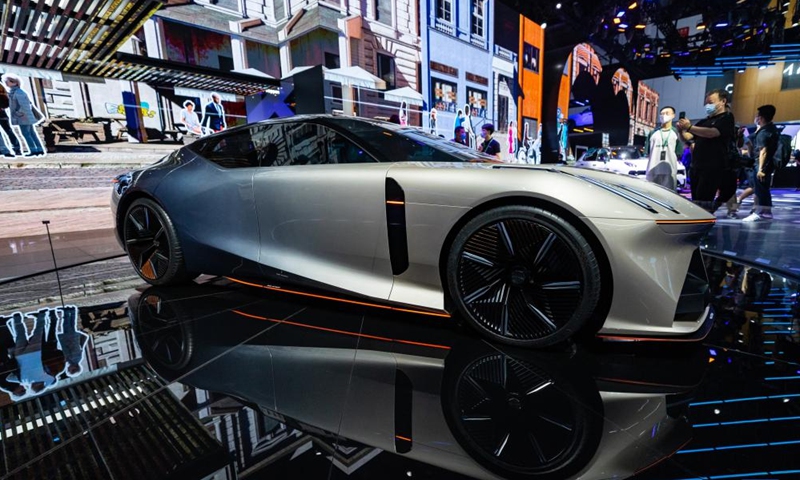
x=531, y=83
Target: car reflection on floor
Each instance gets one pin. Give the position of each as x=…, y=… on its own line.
x=237, y=381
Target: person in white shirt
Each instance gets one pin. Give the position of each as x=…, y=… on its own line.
x=190, y=119
x=663, y=148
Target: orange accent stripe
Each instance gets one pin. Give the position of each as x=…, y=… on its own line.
x=402, y=438
x=147, y=268
x=395, y=202
x=620, y=338
x=342, y=332
x=343, y=300
x=685, y=222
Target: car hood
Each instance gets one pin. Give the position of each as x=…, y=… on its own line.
x=660, y=201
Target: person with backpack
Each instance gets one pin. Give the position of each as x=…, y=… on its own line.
x=765, y=142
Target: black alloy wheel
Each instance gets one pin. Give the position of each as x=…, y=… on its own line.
x=523, y=276
x=152, y=244
x=164, y=332
x=521, y=419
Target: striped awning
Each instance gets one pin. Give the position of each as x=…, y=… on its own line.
x=156, y=72
x=70, y=36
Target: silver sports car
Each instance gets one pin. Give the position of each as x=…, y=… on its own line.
x=528, y=255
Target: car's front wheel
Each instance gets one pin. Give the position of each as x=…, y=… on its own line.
x=523, y=276
x=152, y=244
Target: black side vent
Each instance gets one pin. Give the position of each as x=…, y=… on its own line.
x=403, y=398
x=396, y=224
x=695, y=295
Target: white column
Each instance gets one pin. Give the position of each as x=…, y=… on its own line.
x=286, y=58
x=155, y=40
x=239, y=47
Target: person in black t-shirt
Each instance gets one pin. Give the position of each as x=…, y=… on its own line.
x=490, y=146
x=711, y=160
x=765, y=143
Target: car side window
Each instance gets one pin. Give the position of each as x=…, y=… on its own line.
x=256, y=146
x=313, y=144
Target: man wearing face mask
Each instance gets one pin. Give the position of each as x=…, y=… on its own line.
x=663, y=148
x=490, y=146
x=765, y=143
x=711, y=159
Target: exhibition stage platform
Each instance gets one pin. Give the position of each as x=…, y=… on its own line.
x=220, y=380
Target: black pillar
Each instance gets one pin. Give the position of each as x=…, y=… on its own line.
x=559, y=41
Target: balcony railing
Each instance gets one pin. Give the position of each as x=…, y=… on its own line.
x=505, y=54
x=478, y=41
x=445, y=27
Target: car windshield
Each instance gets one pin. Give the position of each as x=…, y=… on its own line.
x=407, y=144
x=626, y=153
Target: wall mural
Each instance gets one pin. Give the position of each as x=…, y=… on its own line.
x=17, y=110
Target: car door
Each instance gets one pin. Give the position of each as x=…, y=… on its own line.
x=321, y=210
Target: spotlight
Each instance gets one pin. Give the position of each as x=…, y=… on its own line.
x=617, y=21
x=621, y=14
x=641, y=26
x=741, y=70
x=762, y=67
x=722, y=24
x=544, y=25
x=633, y=5
x=558, y=6
x=701, y=26
x=623, y=25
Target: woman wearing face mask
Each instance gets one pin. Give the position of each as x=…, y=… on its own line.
x=663, y=148
x=712, y=159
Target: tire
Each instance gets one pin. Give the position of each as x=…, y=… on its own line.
x=152, y=244
x=523, y=276
x=164, y=332
x=522, y=417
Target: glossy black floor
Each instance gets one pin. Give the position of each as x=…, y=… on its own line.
x=225, y=381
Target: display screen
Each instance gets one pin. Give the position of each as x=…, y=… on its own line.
x=791, y=76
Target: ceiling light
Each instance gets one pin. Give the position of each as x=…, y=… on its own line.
x=623, y=25
x=741, y=70
x=701, y=26
x=633, y=5
x=722, y=24
x=641, y=26
x=617, y=20
x=558, y=6
x=762, y=67
x=621, y=14
x=544, y=25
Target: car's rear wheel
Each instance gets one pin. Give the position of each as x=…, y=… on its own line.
x=152, y=244
x=523, y=276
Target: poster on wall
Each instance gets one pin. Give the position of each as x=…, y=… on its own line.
x=530, y=57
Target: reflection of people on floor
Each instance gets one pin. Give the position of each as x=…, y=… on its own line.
x=189, y=118
x=24, y=114
x=72, y=341
x=29, y=351
x=214, y=114
x=5, y=124
x=8, y=365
